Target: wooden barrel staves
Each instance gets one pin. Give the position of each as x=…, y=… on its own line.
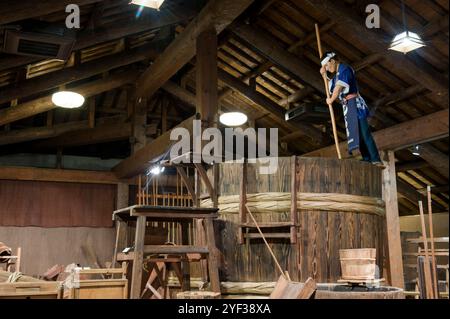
x=339, y=206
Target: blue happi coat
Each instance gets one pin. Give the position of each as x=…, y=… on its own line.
x=355, y=108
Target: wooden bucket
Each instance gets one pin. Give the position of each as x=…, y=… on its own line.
x=358, y=264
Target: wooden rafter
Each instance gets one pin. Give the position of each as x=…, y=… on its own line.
x=218, y=14
x=424, y=129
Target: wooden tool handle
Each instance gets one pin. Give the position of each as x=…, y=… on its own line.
x=327, y=90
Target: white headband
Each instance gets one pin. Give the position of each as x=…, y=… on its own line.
x=327, y=58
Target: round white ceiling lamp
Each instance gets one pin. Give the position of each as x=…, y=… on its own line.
x=67, y=99
x=233, y=119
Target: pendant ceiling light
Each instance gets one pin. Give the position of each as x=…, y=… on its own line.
x=67, y=99
x=154, y=4
x=406, y=41
x=415, y=150
x=233, y=119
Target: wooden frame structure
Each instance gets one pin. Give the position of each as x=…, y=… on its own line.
x=142, y=214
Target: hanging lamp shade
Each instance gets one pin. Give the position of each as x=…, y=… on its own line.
x=233, y=119
x=406, y=42
x=67, y=99
x=154, y=4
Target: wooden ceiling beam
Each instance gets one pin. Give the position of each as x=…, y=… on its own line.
x=45, y=104
x=271, y=107
x=421, y=130
x=106, y=127
x=410, y=166
x=218, y=14
x=414, y=195
x=72, y=74
x=271, y=49
x=57, y=175
x=430, y=79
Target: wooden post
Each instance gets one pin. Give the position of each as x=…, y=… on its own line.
x=213, y=258
x=121, y=226
x=433, y=257
x=327, y=90
x=392, y=221
x=426, y=264
x=294, y=190
x=139, y=125
x=136, y=279
x=242, y=203
x=91, y=112
x=185, y=265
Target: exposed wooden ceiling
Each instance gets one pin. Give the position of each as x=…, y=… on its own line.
x=268, y=63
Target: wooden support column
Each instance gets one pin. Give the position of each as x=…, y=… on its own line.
x=213, y=258
x=207, y=103
x=139, y=125
x=136, y=279
x=395, y=261
x=91, y=113
x=294, y=190
x=121, y=226
x=242, y=202
x=207, y=107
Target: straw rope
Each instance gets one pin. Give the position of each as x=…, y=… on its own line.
x=281, y=202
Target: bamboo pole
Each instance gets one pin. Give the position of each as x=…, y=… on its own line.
x=433, y=260
x=426, y=264
x=327, y=90
x=283, y=273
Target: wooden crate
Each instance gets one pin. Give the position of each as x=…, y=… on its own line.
x=99, y=288
x=31, y=290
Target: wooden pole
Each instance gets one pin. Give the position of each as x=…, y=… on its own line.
x=433, y=260
x=426, y=265
x=284, y=274
x=330, y=107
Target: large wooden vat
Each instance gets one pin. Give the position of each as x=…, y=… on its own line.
x=321, y=230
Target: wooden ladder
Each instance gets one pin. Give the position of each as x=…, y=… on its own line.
x=288, y=229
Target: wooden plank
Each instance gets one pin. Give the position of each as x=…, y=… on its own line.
x=392, y=221
x=45, y=104
x=179, y=249
x=136, y=279
x=218, y=14
x=432, y=127
x=57, y=175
